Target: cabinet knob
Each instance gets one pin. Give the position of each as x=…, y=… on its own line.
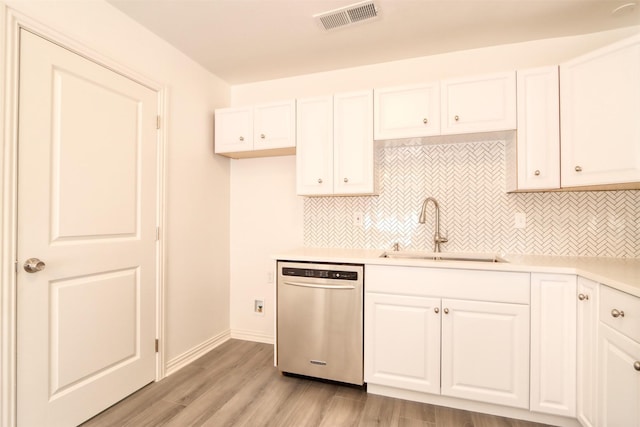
x=319, y=180
x=636, y=365
x=346, y=180
x=242, y=138
x=262, y=136
x=583, y=297
x=617, y=313
x=578, y=168
x=446, y=311
x=425, y=121
x=437, y=310
x=456, y=118
x=537, y=173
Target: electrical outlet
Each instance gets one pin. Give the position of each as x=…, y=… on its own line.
x=358, y=219
x=258, y=306
x=520, y=220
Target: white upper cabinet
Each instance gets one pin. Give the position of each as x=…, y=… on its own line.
x=263, y=130
x=600, y=116
x=407, y=112
x=233, y=130
x=274, y=125
x=538, y=134
x=353, y=171
x=335, y=145
x=314, y=154
x=478, y=104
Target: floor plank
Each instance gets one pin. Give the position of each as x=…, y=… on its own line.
x=236, y=384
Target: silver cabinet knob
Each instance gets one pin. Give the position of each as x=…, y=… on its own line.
x=346, y=180
x=446, y=311
x=262, y=136
x=636, y=365
x=425, y=121
x=437, y=310
x=537, y=173
x=33, y=265
x=457, y=118
x=583, y=297
x=242, y=138
x=319, y=180
x=578, y=168
x=617, y=313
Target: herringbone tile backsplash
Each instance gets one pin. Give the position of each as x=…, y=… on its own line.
x=476, y=214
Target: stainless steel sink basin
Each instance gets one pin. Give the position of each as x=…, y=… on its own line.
x=433, y=256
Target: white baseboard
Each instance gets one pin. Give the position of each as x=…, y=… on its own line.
x=251, y=336
x=187, y=357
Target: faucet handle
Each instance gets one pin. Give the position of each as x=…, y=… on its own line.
x=396, y=247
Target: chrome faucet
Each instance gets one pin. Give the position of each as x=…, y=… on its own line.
x=437, y=239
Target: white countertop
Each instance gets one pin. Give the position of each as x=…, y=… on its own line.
x=619, y=273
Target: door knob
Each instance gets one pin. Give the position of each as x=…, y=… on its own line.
x=33, y=265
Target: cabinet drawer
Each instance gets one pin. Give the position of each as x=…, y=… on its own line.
x=621, y=311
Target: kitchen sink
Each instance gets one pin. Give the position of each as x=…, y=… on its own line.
x=434, y=256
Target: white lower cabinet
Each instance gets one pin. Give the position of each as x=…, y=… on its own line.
x=587, y=344
x=402, y=341
x=618, y=359
x=485, y=352
x=553, y=344
x=429, y=330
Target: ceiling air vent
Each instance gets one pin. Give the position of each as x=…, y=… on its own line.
x=347, y=15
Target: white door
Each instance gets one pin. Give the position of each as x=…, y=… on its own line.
x=485, y=352
x=314, y=152
x=353, y=171
x=587, y=333
x=402, y=342
x=274, y=125
x=87, y=209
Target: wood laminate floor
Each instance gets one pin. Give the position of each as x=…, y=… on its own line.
x=237, y=384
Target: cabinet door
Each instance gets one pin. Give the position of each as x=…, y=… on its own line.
x=587, y=350
x=402, y=342
x=407, y=112
x=314, y=153
x=538, y=134
x=233, y=130
x=274, y=125
x=553, y=344
x=619, y=380
x=479, y=104
x=353, y=170
x=485, y=352
x=600, y=106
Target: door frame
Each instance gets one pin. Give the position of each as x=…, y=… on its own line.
x=9, y=80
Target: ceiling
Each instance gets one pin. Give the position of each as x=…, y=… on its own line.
x=243, y=41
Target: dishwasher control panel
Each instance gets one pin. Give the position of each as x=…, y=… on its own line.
x=320, y=274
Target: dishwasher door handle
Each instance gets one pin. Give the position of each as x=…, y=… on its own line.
x=310, y=285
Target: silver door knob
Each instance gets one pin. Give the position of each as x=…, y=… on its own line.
x=241, y=138
x=346, y=180
x=636, y=365
x=262, y=136
x=583, y=297
x=446, y=311
x=578, y=168
x=33, y=265
x=537, y=173
x=319, y=180
x=457, y=118
x=617, y=313
x=437, y=310
x=425, y=121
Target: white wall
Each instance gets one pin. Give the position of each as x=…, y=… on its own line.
x=197, y=186
x=267, y=174
x=265, y=219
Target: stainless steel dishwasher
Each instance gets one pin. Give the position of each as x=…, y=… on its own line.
x=319, y=320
